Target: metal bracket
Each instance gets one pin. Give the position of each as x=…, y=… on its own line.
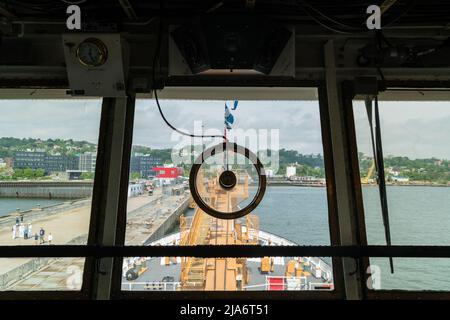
x=366, y=86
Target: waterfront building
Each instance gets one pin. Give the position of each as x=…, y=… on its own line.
x=87, y=161
x=29, y=159
x=60, y=163
x=167, y=175
x=41, y=160
x=400, y=179
x=144, y=164
x=291, y=171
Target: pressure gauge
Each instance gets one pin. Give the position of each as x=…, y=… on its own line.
x=92, y=52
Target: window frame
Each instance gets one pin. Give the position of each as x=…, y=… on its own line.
x=349, y=95
x=100, y=174
x=98, y=204
x=337, y=293
x=90, y=268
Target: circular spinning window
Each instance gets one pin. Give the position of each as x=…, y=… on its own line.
x=227, y=181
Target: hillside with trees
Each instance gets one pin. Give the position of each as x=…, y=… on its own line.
x=9, y=145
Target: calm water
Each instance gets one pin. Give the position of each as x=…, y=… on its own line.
x=9, y=205
x=418, y=216
x=296, y=213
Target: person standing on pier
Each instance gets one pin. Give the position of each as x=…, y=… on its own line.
x=14, y=231
x=36, y=238
x=21, y=230
x=50, y=238
x=25, y=232
x=41, y=235
x=30, y=230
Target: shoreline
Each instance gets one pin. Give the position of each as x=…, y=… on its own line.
x=407, y=185
x=287, y=184
x=40, y=208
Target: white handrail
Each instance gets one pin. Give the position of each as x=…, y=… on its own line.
x=320, y=286
x=163, y=284
x=256, y=285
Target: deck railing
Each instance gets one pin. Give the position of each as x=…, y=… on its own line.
x=151, y=285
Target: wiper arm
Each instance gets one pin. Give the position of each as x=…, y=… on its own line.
x=377, y=148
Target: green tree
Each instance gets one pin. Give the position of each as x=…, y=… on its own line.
x=18, y=174
x=135, y=176
x=87, y=176
x=39, y=173
x=28, y=173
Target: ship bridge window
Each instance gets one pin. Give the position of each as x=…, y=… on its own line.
x=415, y=135
x=282, y=127
x=47, y=164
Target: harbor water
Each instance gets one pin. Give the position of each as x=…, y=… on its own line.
x=10, y=205
x=418, y=216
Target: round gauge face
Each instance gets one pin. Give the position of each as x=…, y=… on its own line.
x=92, y=52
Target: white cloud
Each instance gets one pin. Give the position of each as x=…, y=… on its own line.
x=65, y=119
x=412, y=129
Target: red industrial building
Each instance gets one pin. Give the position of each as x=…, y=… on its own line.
x=168, y=173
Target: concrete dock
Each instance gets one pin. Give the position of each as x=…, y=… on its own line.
x=149, y=217
x=46, y=189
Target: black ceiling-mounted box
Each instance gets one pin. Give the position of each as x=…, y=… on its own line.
x=224, y=43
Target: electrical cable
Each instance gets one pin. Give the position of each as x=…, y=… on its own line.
x=155, y=59
x=325, y=25
x=74, y=2
x=320, y=13
x=379, y=37
x=412, y=4
x=306, y=6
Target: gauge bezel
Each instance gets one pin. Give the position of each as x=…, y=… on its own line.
x=227, y=146
x=103, y=50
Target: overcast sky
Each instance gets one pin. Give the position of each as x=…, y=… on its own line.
x=297, y=122
x=407, y=129
x=65, y=119
x=413, y=129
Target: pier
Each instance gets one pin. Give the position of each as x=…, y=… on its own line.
x=46, y=189
x=149, y=217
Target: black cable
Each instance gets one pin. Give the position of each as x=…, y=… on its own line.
x=412, y=4
x=179, y=131
x=42, y=7
x=323, y=24
x=305, y=5
x=320, y=13
x=76, y=2
x=378, y=42
x=155, y=59
x=383, y=79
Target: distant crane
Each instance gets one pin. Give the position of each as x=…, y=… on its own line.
x=369, y=175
